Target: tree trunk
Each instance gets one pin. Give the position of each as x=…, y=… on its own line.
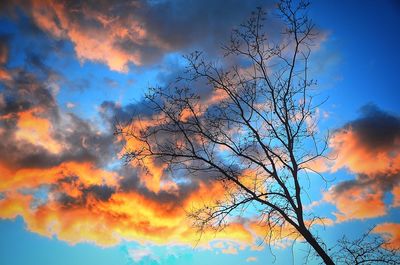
x=316, y=246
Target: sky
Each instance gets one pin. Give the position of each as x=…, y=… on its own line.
x=69, y=70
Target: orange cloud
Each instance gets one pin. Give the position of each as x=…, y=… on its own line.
x=36, y=130
x=356, y=203
x=351, y=152
x=228, y=247
x=230, y=250
x=127, y=216
x=5, y=75
x=95, y=35
x=280, y=235
x=251, y=259
x=15, y=204
x=29, y=178
x=370, y=148
x=74, y=214
x=396, y=196
x=84, y=202
x=3, y=54
x=391, y=233
x=152, y=176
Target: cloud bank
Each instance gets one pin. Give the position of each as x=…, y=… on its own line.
x=368, y=147
x=139, y=32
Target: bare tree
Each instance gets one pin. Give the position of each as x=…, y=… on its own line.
x=368, y=250
x=258, y=139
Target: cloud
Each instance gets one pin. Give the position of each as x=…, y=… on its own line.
x=370, y=148
x=36, y=130
x=70, y=105
x=56, y=175
x=110, y=82
x=370, y=144
x=37, y=134
x=105, y=217
x=138, y=254
x=138, y=32
x=356, y=202
x=396, y=196
x=229, y=248
x=33, y=177
x=4, y=75
x=4, y=54
x=58, y=169
x=251, y=259
x=281, y=235
x=391, y=233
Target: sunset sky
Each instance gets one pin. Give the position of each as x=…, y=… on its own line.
x=69, y=70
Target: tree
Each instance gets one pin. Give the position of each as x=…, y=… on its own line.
x=367, y=249
x=258, y=139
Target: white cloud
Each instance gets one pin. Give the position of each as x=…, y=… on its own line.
x=139, y=254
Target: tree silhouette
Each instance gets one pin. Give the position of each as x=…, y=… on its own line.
x=368, y=250
x=256, y=134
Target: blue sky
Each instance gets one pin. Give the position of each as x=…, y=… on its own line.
x=69, y=71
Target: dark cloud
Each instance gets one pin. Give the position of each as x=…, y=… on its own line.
x=196, y=23
x=78, y=84
x=376, y=129
x=100, y=192
x=141, y=32
x=130, y=182
x=370, y=147
x=115, y=113
x=25, y=92
x=86, y=142
x=30, y=91
x=111, y=83
x=4, y=39
x=35, y=61
x=97, y=192
x=383, y=183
